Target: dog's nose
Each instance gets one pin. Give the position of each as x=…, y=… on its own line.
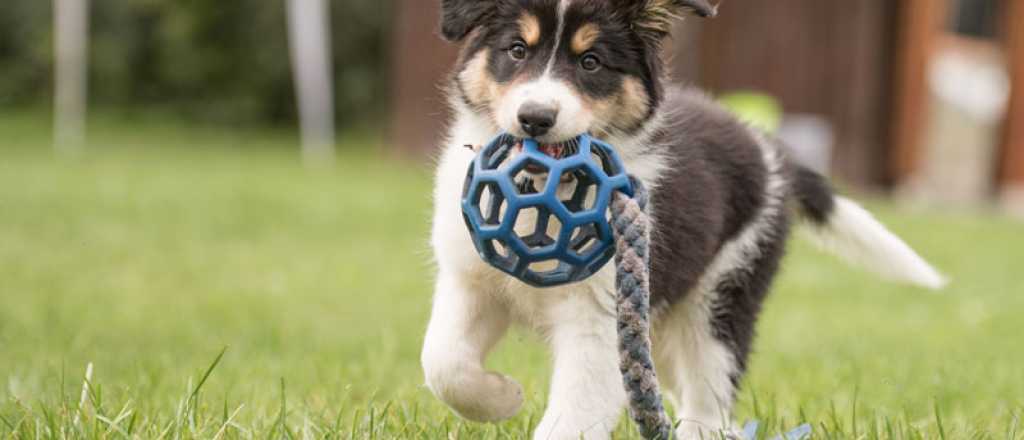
x=537, y=119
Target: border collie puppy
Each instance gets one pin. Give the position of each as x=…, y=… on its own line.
x=723, y=197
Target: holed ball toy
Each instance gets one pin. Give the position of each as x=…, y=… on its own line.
x=540, y=218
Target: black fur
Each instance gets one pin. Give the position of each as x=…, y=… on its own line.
x=741, y=292
x=700, y=7
x=499, y=38
x=710, y=191
x=637, y=9
x=617, y=48
x=460, y=17
x=814, y=194
x=652, y=19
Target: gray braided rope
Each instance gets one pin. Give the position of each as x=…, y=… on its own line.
x=631, y=227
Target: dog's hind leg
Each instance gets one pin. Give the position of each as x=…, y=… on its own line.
x=703, y=344
x=697, y=371
x=464, y=326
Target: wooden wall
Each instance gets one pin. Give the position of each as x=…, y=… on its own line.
x=822, y=57
x=1011, y=169
x=421, y=61
x=920, y=25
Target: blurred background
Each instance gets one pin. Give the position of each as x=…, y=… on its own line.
x=910, y=95
x=177, y=176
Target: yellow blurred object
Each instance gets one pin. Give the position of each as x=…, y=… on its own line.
x=757, y=109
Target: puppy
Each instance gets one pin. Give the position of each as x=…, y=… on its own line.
x=723, y=197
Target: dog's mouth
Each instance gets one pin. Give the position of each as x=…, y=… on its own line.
x=536, y=175
x=553, y=150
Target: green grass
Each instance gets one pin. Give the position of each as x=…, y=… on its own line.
x=164, y=244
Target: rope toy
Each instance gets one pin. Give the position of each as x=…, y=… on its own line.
x=631, y=226
x=603, y=214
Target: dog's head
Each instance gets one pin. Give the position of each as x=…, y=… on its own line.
x=553, y=69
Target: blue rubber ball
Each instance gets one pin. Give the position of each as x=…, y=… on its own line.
x=541, y=219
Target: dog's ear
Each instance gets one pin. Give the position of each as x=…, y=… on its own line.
x=652, y=19
x=460, y=17
x=701, y=8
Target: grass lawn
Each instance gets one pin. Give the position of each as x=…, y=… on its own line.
x=164, y=244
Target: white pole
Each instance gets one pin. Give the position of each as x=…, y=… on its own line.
x=309, y=39
x=71, y=42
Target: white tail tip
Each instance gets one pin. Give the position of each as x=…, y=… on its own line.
x=856, y=236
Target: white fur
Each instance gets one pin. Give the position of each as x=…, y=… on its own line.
x=586, y=396
x=464, y=327
x=855, y=235
x=573, y=118
x=695, y=370
x=563, y=5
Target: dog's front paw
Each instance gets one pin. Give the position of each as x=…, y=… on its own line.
x=479, y=396
x=502, y=401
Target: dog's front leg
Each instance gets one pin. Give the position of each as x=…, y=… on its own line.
x=587, y=396
x=464, y=326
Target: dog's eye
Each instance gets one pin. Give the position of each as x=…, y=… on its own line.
x=517, y=51
x=590, y=63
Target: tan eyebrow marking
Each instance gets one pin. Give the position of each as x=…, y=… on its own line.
x=529, y=27
x=585, y=38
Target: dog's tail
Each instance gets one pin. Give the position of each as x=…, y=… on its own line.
x=841, y=226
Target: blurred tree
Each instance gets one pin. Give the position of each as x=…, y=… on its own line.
x=221, y=61
x=26, y=52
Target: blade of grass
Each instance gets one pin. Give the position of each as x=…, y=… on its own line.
x=1012, y=435
x=195, y=392
x=938, y=420
x=112, y=425
x=7, y=422
x=853, y=412
x=281, y=422
x=355, y=421
x=85, y=392
x=227, y=422
x=131, y=423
